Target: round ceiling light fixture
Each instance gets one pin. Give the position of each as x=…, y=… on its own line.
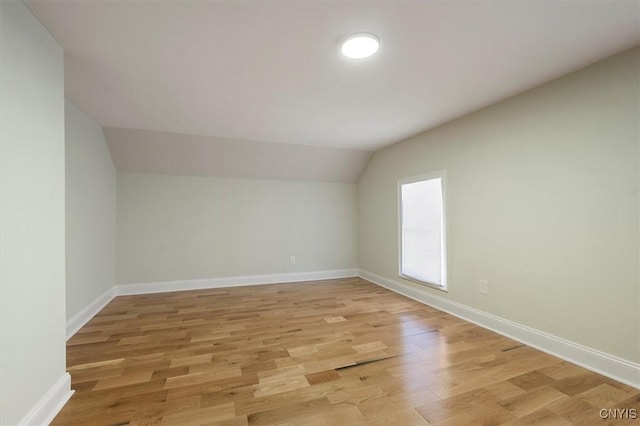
x=360, y=45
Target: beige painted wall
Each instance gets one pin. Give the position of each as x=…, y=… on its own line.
x=32, y=255
x=542, y=202
x=179, y=228
x=90, y=211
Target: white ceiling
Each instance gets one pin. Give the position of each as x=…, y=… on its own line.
x=272, y=71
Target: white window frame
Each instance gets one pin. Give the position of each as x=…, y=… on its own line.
x=444, y=273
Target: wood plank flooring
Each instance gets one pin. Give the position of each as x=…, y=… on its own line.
x=335, y=352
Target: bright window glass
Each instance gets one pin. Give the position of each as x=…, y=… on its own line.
x=422, y=231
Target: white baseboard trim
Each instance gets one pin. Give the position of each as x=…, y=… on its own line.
x=50, y=404
x=76, y=322
x=608, y=365
x=181, y=285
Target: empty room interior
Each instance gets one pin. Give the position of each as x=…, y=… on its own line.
x=319, y=213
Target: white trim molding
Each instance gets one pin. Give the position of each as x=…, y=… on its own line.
x=76, y=322
x=201, y=284
x=50, y=404
x=608, y=365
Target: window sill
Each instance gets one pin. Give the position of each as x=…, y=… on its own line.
x=424, y=283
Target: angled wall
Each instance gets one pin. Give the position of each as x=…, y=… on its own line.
x=90, y=211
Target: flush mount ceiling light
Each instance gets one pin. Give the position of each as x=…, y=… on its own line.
x=360, y=45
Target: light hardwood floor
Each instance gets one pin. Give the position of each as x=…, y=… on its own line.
x=336, y=352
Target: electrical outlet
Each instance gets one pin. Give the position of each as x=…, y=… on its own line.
x=292, y=260
x=484, y=287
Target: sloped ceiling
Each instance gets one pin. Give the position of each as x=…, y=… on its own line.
x=147, y=151
x=271, y=72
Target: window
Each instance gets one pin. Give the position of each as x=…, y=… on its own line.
x=423, y=248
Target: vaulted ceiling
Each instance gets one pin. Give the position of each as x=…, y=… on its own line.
x=269, y=75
